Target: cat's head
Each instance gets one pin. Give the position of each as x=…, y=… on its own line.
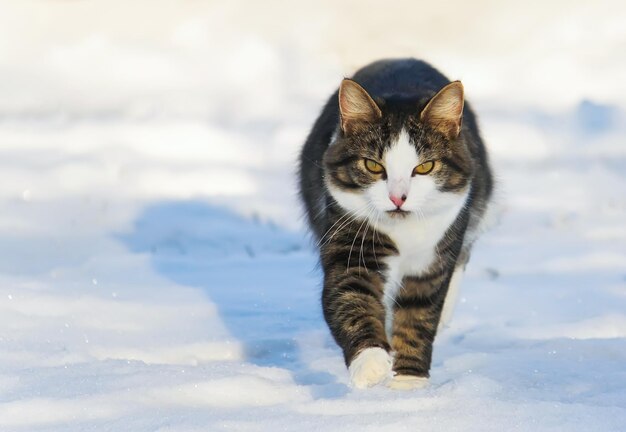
x=397, y=157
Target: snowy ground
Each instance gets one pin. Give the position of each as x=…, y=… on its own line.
x=154, y=273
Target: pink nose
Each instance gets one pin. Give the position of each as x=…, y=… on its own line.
x=398, y=201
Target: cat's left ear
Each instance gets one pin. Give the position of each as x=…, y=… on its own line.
x=444, y=112
x=356, y=107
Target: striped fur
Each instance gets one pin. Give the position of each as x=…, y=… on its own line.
x=386, y=273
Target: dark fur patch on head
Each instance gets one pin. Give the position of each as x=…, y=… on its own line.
x=343, y=161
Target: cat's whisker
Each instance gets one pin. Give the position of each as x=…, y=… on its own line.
x=353, y=241
x=380, y=215
x=343, y=225
x=420, y=214
x=374, y=234
x=373, y=209
x=348, y=218
x=313, y=162
x=345, y=216
x=322, y=210
x=329, y=229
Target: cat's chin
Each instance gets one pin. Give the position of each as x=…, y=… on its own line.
x=397, y=214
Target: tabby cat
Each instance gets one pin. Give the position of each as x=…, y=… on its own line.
x=395, y=181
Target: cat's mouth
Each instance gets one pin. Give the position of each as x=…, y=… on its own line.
x=398, y=213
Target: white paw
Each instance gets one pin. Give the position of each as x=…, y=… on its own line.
x=370, y=367
x=407, y=382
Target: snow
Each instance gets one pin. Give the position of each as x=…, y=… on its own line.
x=154, y=270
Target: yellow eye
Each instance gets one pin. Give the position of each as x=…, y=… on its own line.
x=374, y=167
x=424, y=168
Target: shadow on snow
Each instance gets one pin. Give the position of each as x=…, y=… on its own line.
x=260, y=277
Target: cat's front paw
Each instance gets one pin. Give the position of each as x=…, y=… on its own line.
x=407, y=382
x=370, y=367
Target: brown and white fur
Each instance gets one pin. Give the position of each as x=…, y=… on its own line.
x=395, y=180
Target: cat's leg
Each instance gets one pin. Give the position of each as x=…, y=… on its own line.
x=451, y=297
x=355, y=315
x=416, y=317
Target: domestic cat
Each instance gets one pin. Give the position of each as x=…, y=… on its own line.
x=395, y=180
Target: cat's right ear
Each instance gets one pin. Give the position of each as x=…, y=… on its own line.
x=356, y=107
x=444, y=112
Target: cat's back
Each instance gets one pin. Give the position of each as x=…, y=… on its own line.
x=408, y=77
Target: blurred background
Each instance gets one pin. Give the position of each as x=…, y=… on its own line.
x=179, y=99
x=151, y=238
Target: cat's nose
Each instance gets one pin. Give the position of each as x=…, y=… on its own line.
x=398, y=200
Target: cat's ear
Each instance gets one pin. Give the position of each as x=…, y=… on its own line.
x=444, y=112
x=356, y=107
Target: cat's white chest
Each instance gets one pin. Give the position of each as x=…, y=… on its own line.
x=416, y=240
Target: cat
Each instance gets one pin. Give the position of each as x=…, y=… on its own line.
x=395, y=181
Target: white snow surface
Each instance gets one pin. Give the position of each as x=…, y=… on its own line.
x=155, y=274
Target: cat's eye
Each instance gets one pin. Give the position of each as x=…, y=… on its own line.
x=424, y=168
x=374, y=167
